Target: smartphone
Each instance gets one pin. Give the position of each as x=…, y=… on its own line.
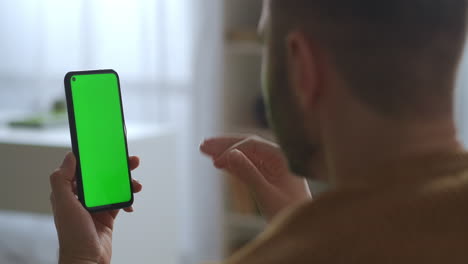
x=99, y=141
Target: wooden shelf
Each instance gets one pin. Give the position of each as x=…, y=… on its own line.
x=244, y=48
x=243, y=51
x=264, y=133
x=245, y=224
x=241, y=229
x=251, y=130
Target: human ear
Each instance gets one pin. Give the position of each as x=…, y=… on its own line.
x=302, y=70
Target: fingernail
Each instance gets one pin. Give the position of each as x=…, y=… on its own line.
x=65, y=160
x=202, y=145
x=234, y=154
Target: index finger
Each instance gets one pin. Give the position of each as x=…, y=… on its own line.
x=214, y=147
x=134, y=162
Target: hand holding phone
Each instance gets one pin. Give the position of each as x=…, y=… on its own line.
x=83, y=237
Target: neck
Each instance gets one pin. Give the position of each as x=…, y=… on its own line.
x=358, y=152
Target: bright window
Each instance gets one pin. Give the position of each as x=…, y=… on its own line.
x=148, y=42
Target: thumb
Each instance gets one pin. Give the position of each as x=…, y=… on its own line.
x=68, y=166
x=61, y=180
x=239, y=165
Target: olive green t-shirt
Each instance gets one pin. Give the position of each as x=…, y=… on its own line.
x=412, y=212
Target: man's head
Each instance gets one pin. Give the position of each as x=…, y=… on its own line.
x=396, y=58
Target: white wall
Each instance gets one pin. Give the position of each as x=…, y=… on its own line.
x=149, y=235
x=203, y=236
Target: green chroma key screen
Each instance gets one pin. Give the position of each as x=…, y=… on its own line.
x=101, y=139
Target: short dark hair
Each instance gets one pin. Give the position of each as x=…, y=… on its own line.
x=397, y=56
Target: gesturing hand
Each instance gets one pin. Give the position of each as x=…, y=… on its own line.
x=83, y=237
x=262, y=166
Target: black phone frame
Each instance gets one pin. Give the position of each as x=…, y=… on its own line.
x=74, y=141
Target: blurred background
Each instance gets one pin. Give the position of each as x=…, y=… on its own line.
x=189, y=69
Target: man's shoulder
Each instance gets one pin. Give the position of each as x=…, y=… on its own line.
x=364, y=224
x=293, y=237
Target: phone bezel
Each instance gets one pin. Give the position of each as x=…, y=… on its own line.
x=74, y=140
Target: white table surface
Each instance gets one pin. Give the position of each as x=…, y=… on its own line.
x=60, y=136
